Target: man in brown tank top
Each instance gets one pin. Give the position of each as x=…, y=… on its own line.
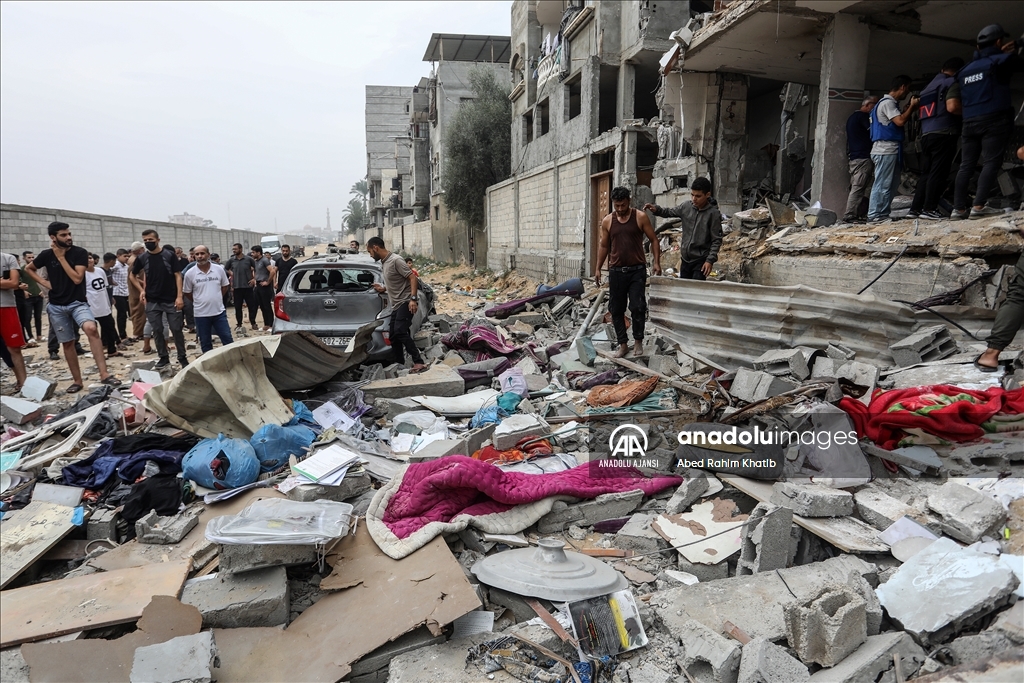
x=622, y=243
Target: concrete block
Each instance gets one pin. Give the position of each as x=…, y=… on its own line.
x=873, y=662
x=517, y=427
x=370, y=373
x=589, y=512
x=378, y=659
x=102, y=525
x=244, y=557
x=638, y=535
x=826, y=367
x=529, y=366
x=439, y=449
x=351, y=486
x=18, y=410
x=530, y=318
x=1010, y=623
x=879, y=509
x=839, y=351
x=256, y=598
x=143, y=364
x=765, y=539
x=439, y=380
x=966, y=514
x=147, y=376
x=704, y=572
x=979, y=646
x=752, y=386
x=38, y=389
x=189, y=658
x=442, y=322
x=585, y=352
x=928, y=344
x=159, y=530
x=861, y=374
x=453, y=360
x=765, y=662
x=666, y=365
x=818, y=217
x=687, y=365
x=475, y=439
x=443, y=663
x=392, y=407
x=689, y=491
x=708, y=656
x=828, y=628
x=812, y=500
x=783, y=362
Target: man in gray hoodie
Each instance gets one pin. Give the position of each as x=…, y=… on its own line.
x=702, y=230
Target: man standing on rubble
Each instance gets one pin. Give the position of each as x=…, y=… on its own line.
x=205, y=284
x=940, y=133
x=10, y=322
x=401, y=285
x=162, y=295
x=701, y=236
x=622, y=243
x=242, y=270
x=887, y=123
x=1009, y=319
x=983, y=87
x=858, y=150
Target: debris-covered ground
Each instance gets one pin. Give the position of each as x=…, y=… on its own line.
x=529, y=508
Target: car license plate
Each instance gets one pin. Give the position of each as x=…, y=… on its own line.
x=336, y=341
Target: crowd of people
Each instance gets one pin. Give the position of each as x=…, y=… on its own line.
x=965, y=107
x=161, y=290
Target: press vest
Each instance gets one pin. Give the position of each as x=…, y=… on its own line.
x=980, y=93
x=888, y=132
x=933, y=113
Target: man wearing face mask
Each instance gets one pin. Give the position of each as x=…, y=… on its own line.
x=162, y=295
x=205, y=284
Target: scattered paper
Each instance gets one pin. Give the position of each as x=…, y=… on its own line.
x=326, y=462
x=330, y=415
x=471, y=623
x=402, y=443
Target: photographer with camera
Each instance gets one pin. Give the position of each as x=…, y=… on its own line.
x=887, y=123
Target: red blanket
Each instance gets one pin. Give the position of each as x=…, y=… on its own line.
x=439, y=490
x=945, y=411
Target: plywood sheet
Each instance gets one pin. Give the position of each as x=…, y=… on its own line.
x=110, y=660
x=33, y=530
x=103, y=599
x=846, y=533
x=381, y=599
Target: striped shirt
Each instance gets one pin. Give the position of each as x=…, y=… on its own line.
x=119, y=273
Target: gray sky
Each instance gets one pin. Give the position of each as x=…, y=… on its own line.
x=150, y=109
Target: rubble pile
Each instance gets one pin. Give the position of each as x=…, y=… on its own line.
x=529, y=508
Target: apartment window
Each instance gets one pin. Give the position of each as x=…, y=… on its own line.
x=437, y=212
x=528, y=126
x=574, y=97
x=544, y=120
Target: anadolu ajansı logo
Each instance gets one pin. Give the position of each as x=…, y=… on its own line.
x=627, y=441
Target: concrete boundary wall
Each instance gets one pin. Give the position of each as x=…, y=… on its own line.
x=23, y=228
x=539, y=223
x=413, y=239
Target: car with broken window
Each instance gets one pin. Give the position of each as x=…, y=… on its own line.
x=332, y=296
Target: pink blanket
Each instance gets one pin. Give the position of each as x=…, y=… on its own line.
x=452, y=492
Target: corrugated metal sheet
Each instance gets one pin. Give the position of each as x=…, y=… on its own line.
x=733, y=323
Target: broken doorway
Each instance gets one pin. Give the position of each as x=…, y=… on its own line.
x=601, y=206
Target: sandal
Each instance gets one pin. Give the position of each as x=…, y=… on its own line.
x=73, y=389
x=984, y=368
x=111, y=381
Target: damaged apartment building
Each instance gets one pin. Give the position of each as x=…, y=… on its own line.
x=405, y=160
x=753, y=94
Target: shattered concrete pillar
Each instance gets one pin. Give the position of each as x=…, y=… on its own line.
x=731, y=144
x=844, y=59
x=828, y=628
x=707, y=655
x=766, y=539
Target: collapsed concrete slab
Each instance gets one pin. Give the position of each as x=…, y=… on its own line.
x=872, y=661
x=439, y=380
x=185, y=658
x=828, y=628
x=765, y=662
x=244, y=557
x=765, y=539
x=695, y=485
x=966, y=514
x=255, y=598
x=812, y=500
x=590, y=512
x=707, y=655
x=971, y=585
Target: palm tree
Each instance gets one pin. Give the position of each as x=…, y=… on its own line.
x=362, y=190
x=354, y=214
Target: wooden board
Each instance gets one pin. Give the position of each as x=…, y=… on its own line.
x=846, y=533
x=96, y=600
x=33, y=530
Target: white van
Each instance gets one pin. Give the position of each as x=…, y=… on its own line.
x=271, y=245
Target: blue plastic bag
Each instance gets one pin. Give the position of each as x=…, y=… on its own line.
x=303, y=416
x=236, y=463
x=274, y=443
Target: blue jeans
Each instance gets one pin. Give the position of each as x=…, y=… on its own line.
x=887, y=182
x=66, y=319
x=205, y=326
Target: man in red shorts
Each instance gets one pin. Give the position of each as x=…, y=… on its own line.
x=10, y=323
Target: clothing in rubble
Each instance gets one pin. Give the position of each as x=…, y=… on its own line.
x=161, y=492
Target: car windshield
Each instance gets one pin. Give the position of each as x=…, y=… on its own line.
x=332, y=279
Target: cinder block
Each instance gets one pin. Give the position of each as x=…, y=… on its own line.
x=873, y=661
x=185, y=658
x=585, y=351
x=812, y=500
x=38, y=388
x=695, y=484
x=783, y=362
x=590, y=512
x=638, y=535
x=714, y=655
x=666, y=365
x=351, y=486
x=244, y=557
x=752, y=386
x=765, y=540
x=839, y=351
x=704, y=572
x=159, y=530
x=765, y=662
x=18, y=410
x=966, y=514
x=256, y=598
x=928, y=344
x=879, y=509
x=102, y=525
x=828, y=628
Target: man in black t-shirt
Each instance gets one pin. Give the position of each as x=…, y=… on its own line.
x=65, y=280
x=241, y=270
x=162, y=295
x=285, y=262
